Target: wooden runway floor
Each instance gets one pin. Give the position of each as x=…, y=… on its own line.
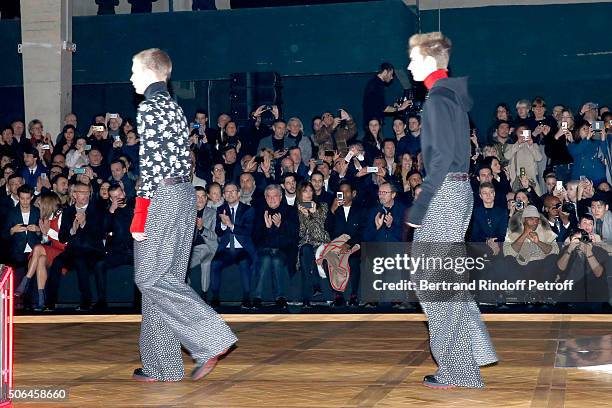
x=338, y=361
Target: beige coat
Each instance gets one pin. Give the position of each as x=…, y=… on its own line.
x=527, y=156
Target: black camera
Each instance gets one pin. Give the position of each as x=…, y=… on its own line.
x=567, y=208
x=259, y=159
x=585, y=237
x=519, y=204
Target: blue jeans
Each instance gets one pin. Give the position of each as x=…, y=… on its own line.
x=226, y=257
x=272, y=265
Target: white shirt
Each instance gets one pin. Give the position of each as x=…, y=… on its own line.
x=224, y=227
x=346, y=212
x=389, y=165
x=26, y=220
x=79, y=210
x=291, y=200
x=326, y=184
x=552, y=223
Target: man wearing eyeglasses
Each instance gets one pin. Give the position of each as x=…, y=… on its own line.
x=81, y=228
x=385, y=220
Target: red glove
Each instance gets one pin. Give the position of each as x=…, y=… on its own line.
x=140, y=214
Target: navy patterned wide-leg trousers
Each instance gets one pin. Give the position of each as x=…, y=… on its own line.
x=459, y=340
x=172, y=312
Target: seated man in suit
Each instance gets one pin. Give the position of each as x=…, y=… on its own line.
x=205, y=239
x=234, y=228
x=276, y=236
x=385, y=221
x=21, y=227
x=346, y=217
x=81, y=229
x=119, y=242
x=7, y=203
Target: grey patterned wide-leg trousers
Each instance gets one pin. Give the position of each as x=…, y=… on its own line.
x=172, y=313
x=458, y=338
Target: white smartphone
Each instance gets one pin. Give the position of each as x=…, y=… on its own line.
x=372, y=169
x=559, y=186
x=526, y=134
x=348, y=157
x=564, y=125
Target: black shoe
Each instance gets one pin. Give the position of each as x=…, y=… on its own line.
x=306, y=305
x=100, y=307
x=139, y=375
x=353, y=301
x=281, y=302
x=38, y=309
x=215, y=303
x=246, y=304
x=84, y=308
x=374, y=305
x=339, y=301
x=49, y=309
x=257, y=303
x=431, y=382
x=316, y=292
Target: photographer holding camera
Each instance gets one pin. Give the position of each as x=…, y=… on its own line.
x=584, y=261
x=336, y=133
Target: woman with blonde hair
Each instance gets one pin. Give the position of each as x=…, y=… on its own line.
x=42, y=255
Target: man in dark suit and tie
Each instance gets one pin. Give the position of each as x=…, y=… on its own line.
x=346, y=217
x=33, y=169
x=21, y=228
x=82, y=230
x=7, y=203
x=234, y=229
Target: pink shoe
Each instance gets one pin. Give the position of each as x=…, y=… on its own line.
x=202, y=370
